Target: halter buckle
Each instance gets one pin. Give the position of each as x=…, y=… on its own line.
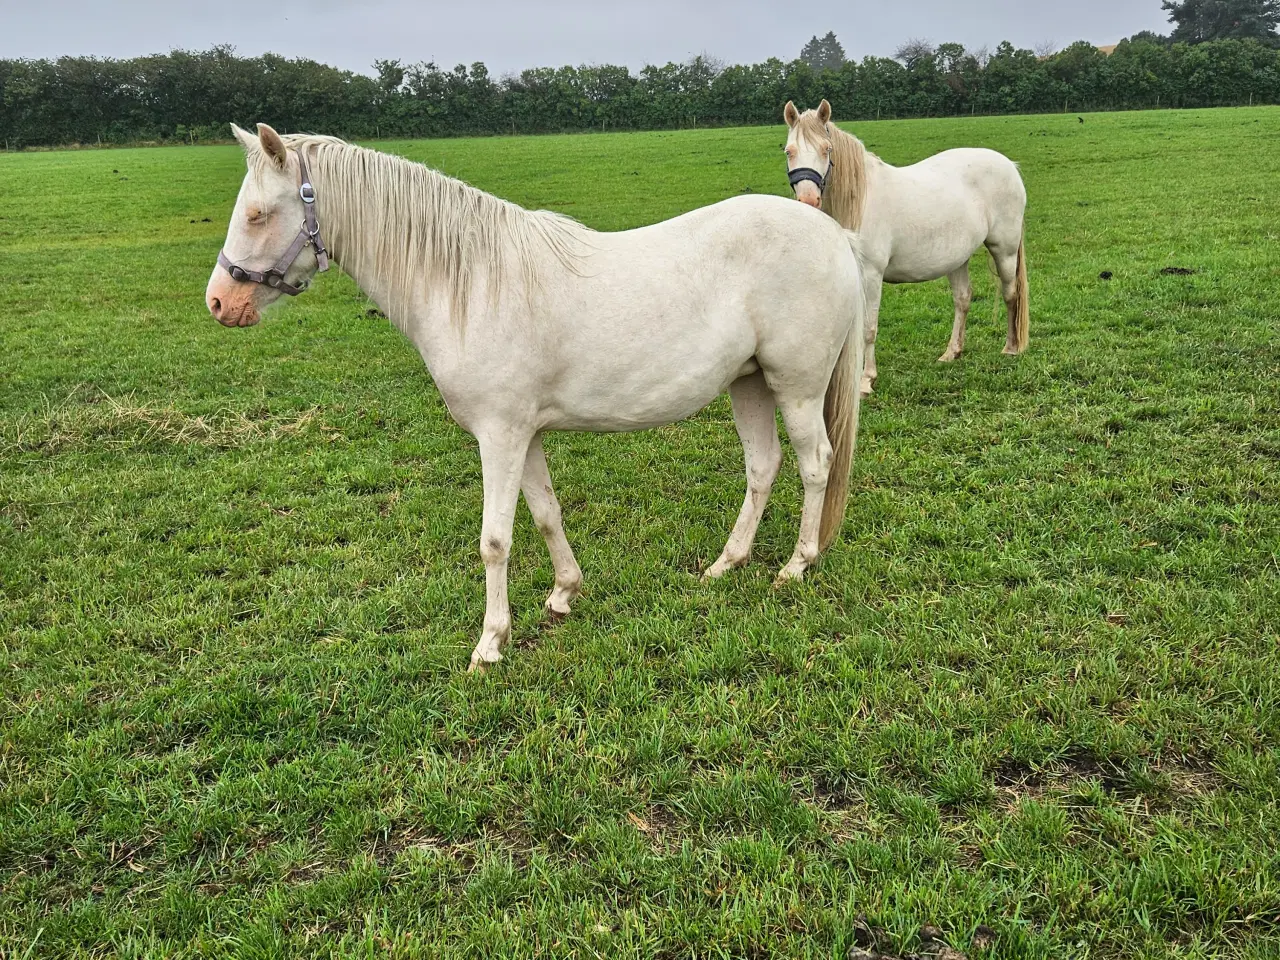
x=307, y=192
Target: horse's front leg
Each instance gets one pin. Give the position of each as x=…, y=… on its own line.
x=502, y=459
x=544, y=506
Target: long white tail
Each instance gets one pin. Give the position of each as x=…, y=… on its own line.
x=840, y=411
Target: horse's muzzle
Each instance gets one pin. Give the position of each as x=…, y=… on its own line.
x=243, y=314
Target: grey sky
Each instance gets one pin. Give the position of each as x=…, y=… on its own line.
x=511, y=34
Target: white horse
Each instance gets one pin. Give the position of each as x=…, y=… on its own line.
x=916, y=223
x=530, y=322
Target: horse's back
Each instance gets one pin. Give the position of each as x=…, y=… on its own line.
x=987, y=172
x=738, y=249
x=755, y=222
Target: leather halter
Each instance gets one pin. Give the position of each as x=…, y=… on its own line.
x=308, y=235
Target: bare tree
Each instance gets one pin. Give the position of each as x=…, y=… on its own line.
x=1046, y=49
x=711, y=64
x=982, y=55
x=913, y=51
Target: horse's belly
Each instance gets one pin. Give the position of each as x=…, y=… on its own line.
x=929, y=259
x=616, y=401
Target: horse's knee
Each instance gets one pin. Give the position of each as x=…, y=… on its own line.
x=494, y=550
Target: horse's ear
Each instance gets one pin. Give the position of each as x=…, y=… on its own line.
x=790, y=114
x=272, y=145
x=247, y=139
x=824, y=112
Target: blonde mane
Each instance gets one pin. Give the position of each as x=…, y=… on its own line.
x=411, y=222
x=845, y=198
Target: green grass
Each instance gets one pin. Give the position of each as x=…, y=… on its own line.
x=1035, y=686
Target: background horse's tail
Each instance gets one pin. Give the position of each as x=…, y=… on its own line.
x=1020, y=317
x=841, y=415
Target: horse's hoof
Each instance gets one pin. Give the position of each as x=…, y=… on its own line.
x=481, y=666
x=555, y=616
x=867, y=388
x=1011, y=351
x=949, y=357
x=788, y=576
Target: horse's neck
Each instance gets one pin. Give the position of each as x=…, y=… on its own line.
x=348, y=250
x=357, y=236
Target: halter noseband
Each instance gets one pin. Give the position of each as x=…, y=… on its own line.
x=308, y=235
x=820, y=180
x=800, y=174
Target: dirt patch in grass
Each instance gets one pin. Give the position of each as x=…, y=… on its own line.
x=874, y=943
x=1015, y=782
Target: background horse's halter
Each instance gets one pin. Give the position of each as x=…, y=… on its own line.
x=309, y=235
x=820, y=180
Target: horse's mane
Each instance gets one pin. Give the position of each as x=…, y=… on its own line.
x=413, y=221
x=845, y=198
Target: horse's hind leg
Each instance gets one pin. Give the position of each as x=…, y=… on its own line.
x=754, y=414
x=807, y=431
x=544, y=506
x=1005, y=257
x=962, y=294
x=874, y=285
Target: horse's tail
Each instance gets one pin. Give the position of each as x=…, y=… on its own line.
x=840, y=412
x=1020, y=315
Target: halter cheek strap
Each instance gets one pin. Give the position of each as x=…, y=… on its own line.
x=308, y=235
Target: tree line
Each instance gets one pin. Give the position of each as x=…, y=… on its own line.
x=192, y=96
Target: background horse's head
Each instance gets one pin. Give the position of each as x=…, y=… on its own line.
x=269, y=220
x=809, y=151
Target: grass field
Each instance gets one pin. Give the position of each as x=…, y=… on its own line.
x=1036, y=686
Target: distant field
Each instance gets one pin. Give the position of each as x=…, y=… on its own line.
x=1036, y=685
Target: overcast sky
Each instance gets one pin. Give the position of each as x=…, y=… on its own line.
x=509, y=35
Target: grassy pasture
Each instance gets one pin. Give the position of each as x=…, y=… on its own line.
x=1035, y=687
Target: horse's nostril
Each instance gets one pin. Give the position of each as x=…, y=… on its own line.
x=215, y=306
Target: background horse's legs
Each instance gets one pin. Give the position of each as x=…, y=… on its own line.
x=874, y=285
x=962, y=294
x=545, y=508
x=502, y=458
x=754, y=413
x=807, y=431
